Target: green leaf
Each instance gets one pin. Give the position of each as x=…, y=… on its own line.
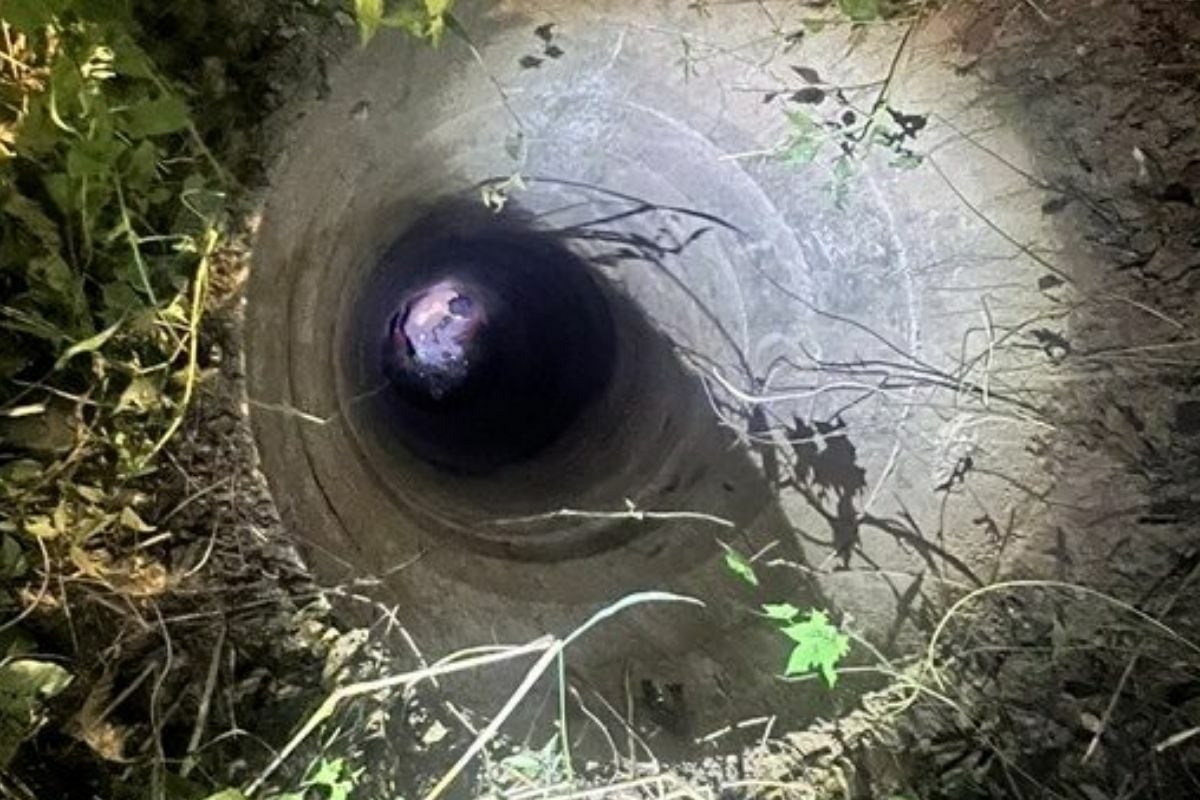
x=130, y=520
x=21, y=472
x=41, y=526
x=25, y=684
x=328, y=771
x=784, y=612
x=58, y=186
x=107, y=12
x=24, y=320
x=56, y=281
x=29, y=16
x=860, y=10
x=129, y=60
x=177, y=787
x=34, y=219
x=437, y=11
x=335, y=777
x=907, y=161
x=141, y=395
x=819, y=645
x=739, y=566
x=805, y=141
x=120, y=299
x=140, y=166
x=88, y=158
x=227, y=794
x=88, y=345
x=414, y=21
x=369, y=14
x=157, y=117
x=13, y=563
x=524, y=763
x=801, y=151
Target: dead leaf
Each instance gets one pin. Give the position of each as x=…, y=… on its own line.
x=140, y=577
x=105, y=738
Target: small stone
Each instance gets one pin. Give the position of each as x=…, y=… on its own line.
x=436, y=733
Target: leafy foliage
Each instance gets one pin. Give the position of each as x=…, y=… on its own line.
x=739, y=565
x=819, y=646
x=861, y=10
x=105, y=209
x=526, y=766
x=804, y=139
x=25, y=684
x=823, y=115
x=109, y=210
x=852, y=135
x=333, y=777
x=424, y=19
x=785, y=612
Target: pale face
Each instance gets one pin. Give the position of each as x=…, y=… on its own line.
x=436, y=334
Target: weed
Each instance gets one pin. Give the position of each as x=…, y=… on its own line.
x=542, y=767
x=424, y=19
x=823, y=115
x=333, y=777
x=26, y=684
x=739, y=565
x=817, y=643
x=110, y=207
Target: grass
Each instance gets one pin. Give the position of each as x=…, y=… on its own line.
x=110, y=209
x=937, y=694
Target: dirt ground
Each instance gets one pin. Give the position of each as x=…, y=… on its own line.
x=1038, y=691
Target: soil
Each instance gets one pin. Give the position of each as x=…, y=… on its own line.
x=1054, y=692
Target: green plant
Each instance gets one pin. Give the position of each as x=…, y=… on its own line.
x=110, y=211
x=861, y=10
x=852, y=136
x=818, y=644
x=823, y=115
x=333, y=777
x=425, y=19
x=26, y=684
x=739, y=565
x=544, y=767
